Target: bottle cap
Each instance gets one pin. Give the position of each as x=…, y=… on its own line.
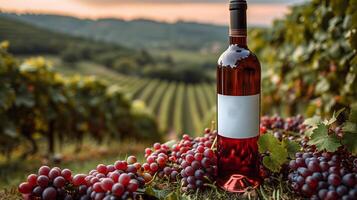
x=238, y=5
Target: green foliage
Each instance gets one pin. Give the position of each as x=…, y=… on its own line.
x=323, y=136
x=350, y=128
x=311, y=58
x=322, y=140
x=39, y=101
x=277, y=151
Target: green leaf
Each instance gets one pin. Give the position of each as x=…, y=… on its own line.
x=350, y=141
x=322, y=140
x=334, y=116
x=278, y=154
x=309, y=131
x=160, y=194
x=292, y=147
x=313, y=121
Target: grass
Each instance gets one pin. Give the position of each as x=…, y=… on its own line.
x=273, y=188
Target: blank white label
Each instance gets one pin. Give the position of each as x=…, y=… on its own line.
x=238, y=116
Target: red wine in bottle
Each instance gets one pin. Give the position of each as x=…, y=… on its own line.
x=238, y=109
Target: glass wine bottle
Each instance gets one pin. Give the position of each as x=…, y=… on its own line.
x=238, y=107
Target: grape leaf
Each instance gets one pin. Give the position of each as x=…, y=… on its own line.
x=313, y=121
x=278, y=154
x=334, y=116
x=350, y=141
x=322, y=140
x=292, y=147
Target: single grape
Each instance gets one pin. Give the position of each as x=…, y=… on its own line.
x=131, y=160
x=334, y=179
x=208, y=153
x=37, y=191
x=191, y=180
x=97, y=187
x=341, y=190
x=43, y=181
x=306, y=190
x=154, y=167
x=54, y=172
x=313, y=166
x=161, y=161
x=59, y=182
x=133, y=185
x=44, y=170
x=78, y=179
x=107, y=184
x=322, y=193
x=157, y=146
x=118, y=189
x=189, y=171
x=349, y=180
x=331, y=195
x=312, y=182
x=147, y=177
x=25, y=188
x=102, y=169
x=173, y=175
x=67, y=174
x=124, y=179
x=304, y=172
x=49, y=193
x=32, y=179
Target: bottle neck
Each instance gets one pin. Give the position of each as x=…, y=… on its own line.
x=238, y=27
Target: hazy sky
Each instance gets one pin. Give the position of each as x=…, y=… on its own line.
x=260, y=12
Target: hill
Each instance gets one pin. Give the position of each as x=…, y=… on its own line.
x=148, y=34
x=27, y=39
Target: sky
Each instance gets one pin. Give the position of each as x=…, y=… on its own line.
x=260, y=12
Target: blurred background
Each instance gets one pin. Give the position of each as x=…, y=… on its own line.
x=87, y=81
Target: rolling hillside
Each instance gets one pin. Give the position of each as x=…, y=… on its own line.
x=28, y=39
x=148, y=34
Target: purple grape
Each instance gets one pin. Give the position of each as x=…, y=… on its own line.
x=49, y=193
x=334, y=179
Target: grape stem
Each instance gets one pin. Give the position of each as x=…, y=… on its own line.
x=152, y=180
x=214, y=143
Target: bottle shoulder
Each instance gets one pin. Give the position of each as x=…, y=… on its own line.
x=236, y=56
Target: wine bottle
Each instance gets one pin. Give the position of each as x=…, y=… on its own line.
x=238, y=107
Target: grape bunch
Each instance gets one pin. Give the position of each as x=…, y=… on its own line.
x=49, y=184
x=156, y=159
x=196, y=159
x=325, y=176
x=107, y=182
x=282, y=127
x=294, y=124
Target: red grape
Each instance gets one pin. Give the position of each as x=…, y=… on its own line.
x=25, y=188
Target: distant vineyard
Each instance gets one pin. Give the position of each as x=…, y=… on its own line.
x=178, y=107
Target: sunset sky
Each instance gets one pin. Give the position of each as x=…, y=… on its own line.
x=260, y=12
